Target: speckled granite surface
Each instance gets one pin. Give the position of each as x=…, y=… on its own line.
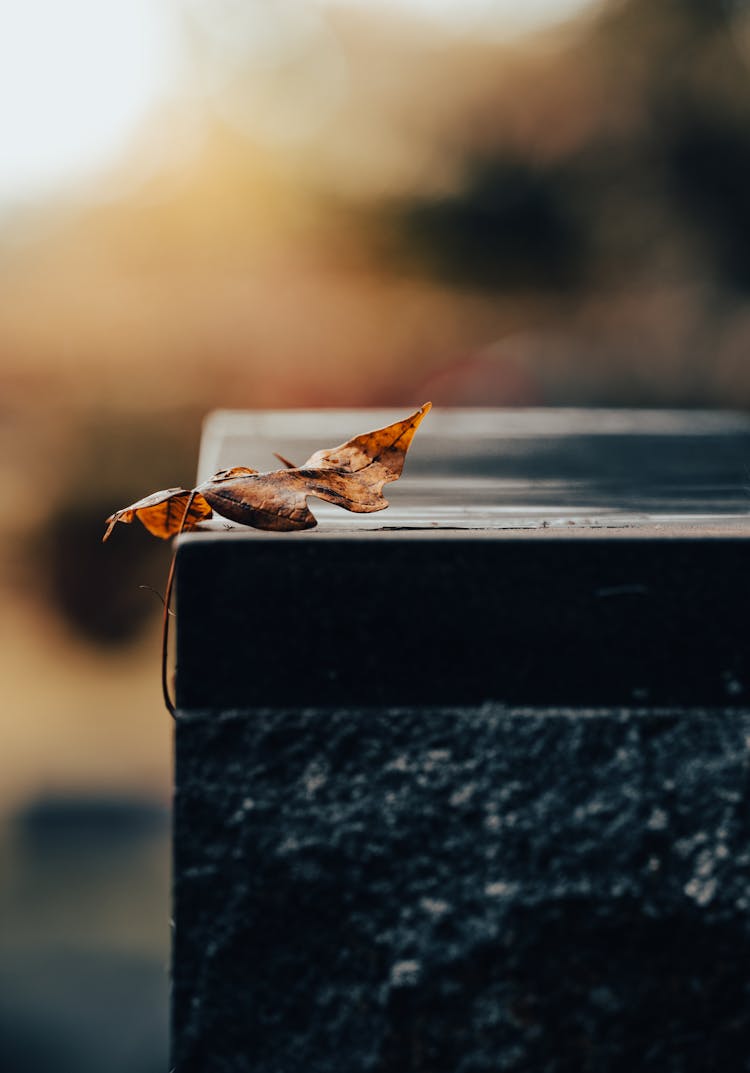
x=467, y=890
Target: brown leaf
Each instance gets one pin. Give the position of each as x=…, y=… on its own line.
x=162, y=513
x=351, y=476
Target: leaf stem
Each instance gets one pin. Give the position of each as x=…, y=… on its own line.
x=166, y=616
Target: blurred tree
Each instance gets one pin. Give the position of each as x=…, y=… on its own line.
x=511, y=225
x=658, y=182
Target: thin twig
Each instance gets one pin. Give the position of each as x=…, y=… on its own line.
x=167, y=612
x=150, y=588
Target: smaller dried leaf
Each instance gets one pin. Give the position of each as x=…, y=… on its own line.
x=162, y=513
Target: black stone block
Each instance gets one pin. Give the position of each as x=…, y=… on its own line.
x=463, y=787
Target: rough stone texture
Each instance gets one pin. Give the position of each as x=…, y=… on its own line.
x=462, y=891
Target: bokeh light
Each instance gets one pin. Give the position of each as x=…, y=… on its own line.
x=76, y=79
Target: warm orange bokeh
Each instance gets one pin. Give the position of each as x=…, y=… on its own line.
x=378, y=210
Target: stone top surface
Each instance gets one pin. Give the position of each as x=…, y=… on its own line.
x=495, y=472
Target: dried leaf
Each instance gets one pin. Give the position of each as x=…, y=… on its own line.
x=351, y=476
x=164, y=513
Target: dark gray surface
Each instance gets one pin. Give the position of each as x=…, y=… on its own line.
x=495, y=469
x=462, y=891
x=379, y=868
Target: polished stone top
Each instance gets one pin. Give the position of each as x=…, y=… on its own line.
x=494, y=470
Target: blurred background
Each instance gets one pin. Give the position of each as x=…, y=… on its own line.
x=285, y=203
